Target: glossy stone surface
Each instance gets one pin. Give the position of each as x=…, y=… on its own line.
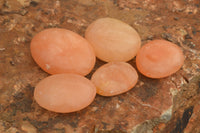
x=64, y=93
x=113, y=40
x=58, y=50
x=114, y=78
x=159, y=58
x=152, y=19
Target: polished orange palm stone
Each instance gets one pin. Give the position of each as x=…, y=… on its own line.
x=114, y=78
x=58, y=50
x=159, y=58
x=113, y=40
x=64, y=93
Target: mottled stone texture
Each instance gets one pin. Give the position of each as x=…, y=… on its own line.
x=164, y=105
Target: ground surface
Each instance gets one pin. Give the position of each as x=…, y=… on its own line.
x=166, y=105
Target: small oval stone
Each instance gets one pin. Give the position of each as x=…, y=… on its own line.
x=114, y=78
x=58, y=50
x=113, y=40
x=159, y=58
x=64, y=93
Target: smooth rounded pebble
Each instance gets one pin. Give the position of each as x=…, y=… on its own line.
x=159, y=58
x=64, y=93
x=58, y=50
x=114, y=78
x=113, y=40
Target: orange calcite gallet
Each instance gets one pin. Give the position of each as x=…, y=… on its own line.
x=64, y=93
x=159, y=58
x=58, y=50
x=114, y=78
x=113, y=40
